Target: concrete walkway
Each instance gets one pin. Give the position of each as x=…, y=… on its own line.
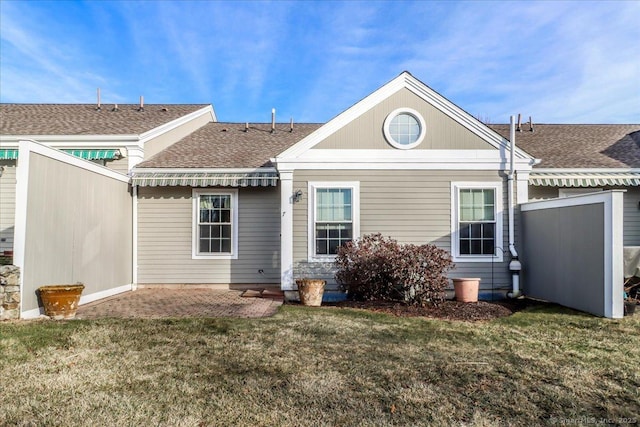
x=163, y=303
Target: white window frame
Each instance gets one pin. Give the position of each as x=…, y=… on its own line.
x=311, y=214
x=455, y=212
x=397, y=112
x=196, y=193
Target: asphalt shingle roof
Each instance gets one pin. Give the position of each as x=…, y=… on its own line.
x=579, y=146
x=84, y=119
x=227, y=145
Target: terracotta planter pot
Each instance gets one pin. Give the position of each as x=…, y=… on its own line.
x=466, y=289
x=61, y=301
x=310, y=291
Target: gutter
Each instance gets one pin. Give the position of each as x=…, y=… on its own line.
x=514, y=266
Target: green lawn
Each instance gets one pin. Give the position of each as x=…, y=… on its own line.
x=324, y=366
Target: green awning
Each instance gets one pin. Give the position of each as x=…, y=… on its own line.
x=8, y=154
x=12, y=154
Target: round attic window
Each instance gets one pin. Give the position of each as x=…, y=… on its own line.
x=404, y=128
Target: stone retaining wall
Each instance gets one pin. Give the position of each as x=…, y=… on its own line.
x=9, y=292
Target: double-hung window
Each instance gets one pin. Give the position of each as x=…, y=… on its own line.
x=215, y=224
x=333, y=217
x=477, y=222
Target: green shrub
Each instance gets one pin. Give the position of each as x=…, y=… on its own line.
x=379, y=268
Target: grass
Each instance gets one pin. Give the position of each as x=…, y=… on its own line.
x=321, y=367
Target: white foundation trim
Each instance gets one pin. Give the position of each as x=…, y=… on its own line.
x=86, y=299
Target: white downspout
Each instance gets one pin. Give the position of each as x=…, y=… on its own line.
x=134, y=249
x=514, y=266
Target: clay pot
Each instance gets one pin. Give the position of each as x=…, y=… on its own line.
x=61, y=301
x=466, y=289
x=310, y=291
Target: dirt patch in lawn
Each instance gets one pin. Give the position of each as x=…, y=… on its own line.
x=448, y=310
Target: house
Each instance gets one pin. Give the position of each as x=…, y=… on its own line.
x=245, y=205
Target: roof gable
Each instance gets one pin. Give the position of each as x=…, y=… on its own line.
x=404, y=82
x=86, y=119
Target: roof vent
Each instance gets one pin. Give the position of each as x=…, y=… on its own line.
x=291, y=125
x=246, y=127
x=519, y=127
x=530, y=124
x=165, y=109
x=141, y=103
x=115, y=107
x=98, y=108
x=273, y=120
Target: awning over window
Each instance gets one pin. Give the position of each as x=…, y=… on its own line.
x=584, y=179
x=205, y=179
x=12, y=154
x=8, y=154
x=96, y=154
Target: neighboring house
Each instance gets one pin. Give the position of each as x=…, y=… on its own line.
x=578, y=159
x=115, y=136
x=237, y=204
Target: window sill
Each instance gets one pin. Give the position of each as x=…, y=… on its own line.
x=221, y=256
x=322, y=258
x=478, y=258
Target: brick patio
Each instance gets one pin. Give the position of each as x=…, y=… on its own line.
x=163, y=303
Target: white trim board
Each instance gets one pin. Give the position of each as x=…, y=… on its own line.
x=201, y=170
x=582, y=199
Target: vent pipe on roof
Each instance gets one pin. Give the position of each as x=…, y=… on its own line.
x=115, y=107
x=530, y=124
x=98, y=108
x=291, y=125
x=246, y=127
x=273, y=120
x=519, y=128
x=141, y=103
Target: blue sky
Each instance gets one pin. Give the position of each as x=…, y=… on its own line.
x=559, y=62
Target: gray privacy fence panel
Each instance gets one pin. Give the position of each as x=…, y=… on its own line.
x=572, y=252
x=73, y=224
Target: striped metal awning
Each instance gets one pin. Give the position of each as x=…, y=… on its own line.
x=205, y=179
x=110, y=154
x=584, y=179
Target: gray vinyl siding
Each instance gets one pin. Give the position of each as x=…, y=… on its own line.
x=631, y=225
x=165, y=216
x=79, y=229
x=159, y=143
x=7, y=204
x=442, y=132
x=120, y=165
x=411, y=206
x=565, y=251
x=632, y=216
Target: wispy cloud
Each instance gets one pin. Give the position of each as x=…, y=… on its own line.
x=311, y=60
